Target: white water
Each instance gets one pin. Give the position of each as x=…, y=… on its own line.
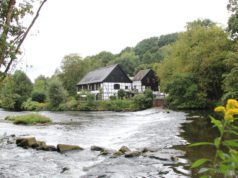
x=154, y=128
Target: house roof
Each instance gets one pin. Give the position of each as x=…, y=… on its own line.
x=141, y=74
x=98, y=75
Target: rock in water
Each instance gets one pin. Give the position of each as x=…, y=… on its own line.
x=64, y=169
x=124, y=149
x=26, y=142
x=132, y=154
x=117, y=154
x=62, y=148
x=97, y=148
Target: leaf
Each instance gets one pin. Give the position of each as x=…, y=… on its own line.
x=221, y=154
x=218, y=124
x=200, y=144
x=217, y=142
x=232, y=143
x=199, y=162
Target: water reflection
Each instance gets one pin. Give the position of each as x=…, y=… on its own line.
x=198, y=129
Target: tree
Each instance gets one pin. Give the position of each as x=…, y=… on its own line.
x=15, y=91
x=201, y=52
x=233, y=20
x=72, y=70
x=57, y=94
x=12, y=31
x=40, y=89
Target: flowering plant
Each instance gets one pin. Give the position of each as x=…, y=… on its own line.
x=225, y=161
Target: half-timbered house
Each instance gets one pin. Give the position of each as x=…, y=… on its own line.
x=145, y=79
x=105, y=82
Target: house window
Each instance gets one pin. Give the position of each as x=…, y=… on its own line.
x=126, y=87
x=116, y=86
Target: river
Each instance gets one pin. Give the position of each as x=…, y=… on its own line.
x=155, y=128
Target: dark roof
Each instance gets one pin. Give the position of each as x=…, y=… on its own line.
x=97, y=75
x=141, y=74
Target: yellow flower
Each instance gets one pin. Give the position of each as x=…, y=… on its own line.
x=230, y=110
x=231, y=103
x=220, y=109
x=228, y=117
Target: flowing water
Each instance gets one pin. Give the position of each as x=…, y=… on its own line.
x=158, y=129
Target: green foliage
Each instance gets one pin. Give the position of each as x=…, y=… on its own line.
x=200, y=52
x=184, y=93
x=15, y=91
x=115, y=105
x=143, y=101
x=72, y=71
x=233, y=19
x=30, y=105
x=230, y=84
x=38, y=96
x=70, y=105
x=121, y=93
x=29, y=119
x=57, y=94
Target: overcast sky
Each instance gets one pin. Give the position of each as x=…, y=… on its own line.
x=88, y=27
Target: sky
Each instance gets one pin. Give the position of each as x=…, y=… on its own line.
x=87, y=27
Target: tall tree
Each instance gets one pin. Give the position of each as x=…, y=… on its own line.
x=233, y=20
x=72, y=70
x=12, y=31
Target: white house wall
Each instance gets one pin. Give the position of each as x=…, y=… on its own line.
x=137, y=86
x=108, y=89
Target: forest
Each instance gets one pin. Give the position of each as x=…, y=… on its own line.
x=197, y=68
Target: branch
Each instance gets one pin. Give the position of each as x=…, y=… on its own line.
x=25, y=35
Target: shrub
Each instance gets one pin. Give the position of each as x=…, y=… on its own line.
x=121, y=93
x=143, y=101
x=115, y=105
x=29, y=119
x=30, y=105
x=70, y=105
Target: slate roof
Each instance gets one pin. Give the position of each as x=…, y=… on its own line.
x=141, y=74
x=98, y=75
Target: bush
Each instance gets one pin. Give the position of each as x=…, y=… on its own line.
x=30, y=105
x=70, y=105
x=115, y=105
x=121, y=93
x=87, y=106
x=143, y=101
x=29, y=119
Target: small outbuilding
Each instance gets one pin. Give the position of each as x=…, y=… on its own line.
x=105, y=82
x=145, y=79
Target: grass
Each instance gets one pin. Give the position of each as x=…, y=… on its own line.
x=29, y=119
